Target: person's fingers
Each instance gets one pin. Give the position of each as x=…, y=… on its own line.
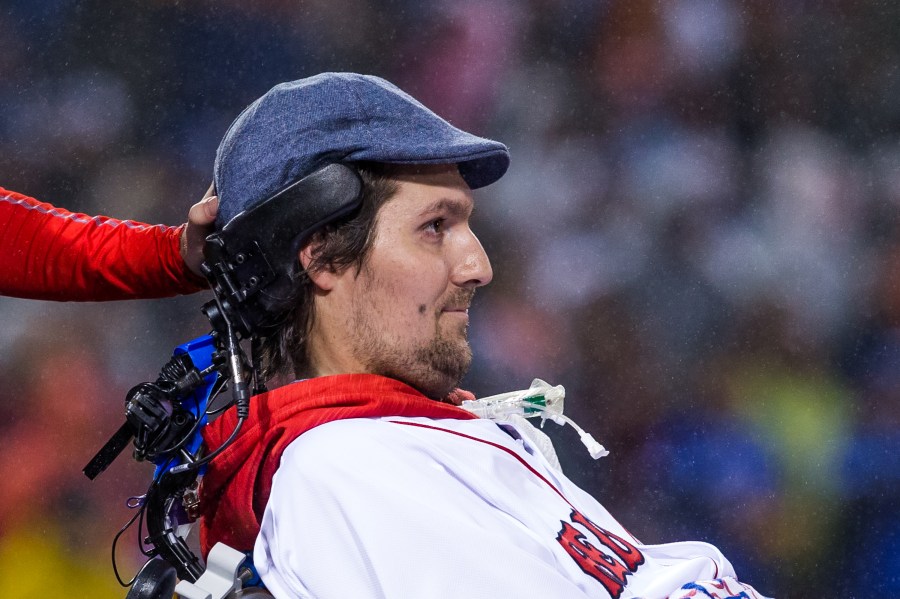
x=211, y=206
x=204, y=212
x=201, y=217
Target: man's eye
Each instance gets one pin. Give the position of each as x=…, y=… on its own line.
x=435, y=226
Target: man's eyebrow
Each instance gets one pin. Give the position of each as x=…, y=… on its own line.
x=456, y=208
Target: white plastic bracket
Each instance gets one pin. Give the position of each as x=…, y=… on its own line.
x=220, y=578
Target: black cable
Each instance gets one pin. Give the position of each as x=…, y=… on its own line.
x=145, y=552
x=139, y=515
x=214, y=394
x=213, y=455
x=115, y=543
x=220, y=409
x=239, y=390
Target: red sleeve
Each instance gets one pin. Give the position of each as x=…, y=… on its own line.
x=52, y=254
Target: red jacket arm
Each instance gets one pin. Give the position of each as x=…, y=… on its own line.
x=52, y=254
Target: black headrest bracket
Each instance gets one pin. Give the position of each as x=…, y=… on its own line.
x=252, y=261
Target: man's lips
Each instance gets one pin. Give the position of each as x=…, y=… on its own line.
x=458, y=312
x=459, y=302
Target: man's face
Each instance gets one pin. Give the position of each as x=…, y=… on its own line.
x=407, y=310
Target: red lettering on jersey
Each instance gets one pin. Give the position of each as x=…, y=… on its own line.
x=606, y=569
x=626, y=552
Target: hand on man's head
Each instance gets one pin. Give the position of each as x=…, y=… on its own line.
x=200, y=221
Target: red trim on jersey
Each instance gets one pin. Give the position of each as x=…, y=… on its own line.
x=513, y=454
x=52, y=254
x=595, y=562
x=492, y=444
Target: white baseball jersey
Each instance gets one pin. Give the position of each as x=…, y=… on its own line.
x=422, y=508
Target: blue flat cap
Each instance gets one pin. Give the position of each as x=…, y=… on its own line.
x=299, y=126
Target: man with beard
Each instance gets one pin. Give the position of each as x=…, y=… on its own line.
x=365, y=477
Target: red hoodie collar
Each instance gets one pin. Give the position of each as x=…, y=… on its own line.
x=237, y=484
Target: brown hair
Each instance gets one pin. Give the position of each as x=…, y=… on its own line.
x=338, y=246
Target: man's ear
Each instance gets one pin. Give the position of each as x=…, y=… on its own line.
x=323, y=278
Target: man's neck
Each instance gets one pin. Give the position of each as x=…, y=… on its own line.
x=329, y=354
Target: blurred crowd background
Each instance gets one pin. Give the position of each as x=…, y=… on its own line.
x=699, y=237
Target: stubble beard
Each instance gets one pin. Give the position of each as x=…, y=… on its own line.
x=447, y=360
x=434, y=367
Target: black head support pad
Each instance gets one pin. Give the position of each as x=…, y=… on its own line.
x=252, y=263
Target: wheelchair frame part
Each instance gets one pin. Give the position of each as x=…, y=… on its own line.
x=252, y=265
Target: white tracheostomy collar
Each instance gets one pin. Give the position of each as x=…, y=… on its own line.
x=539, y=400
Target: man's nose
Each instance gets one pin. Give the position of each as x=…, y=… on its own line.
x=474, y=267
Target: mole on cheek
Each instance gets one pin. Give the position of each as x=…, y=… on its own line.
x=422, y=309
